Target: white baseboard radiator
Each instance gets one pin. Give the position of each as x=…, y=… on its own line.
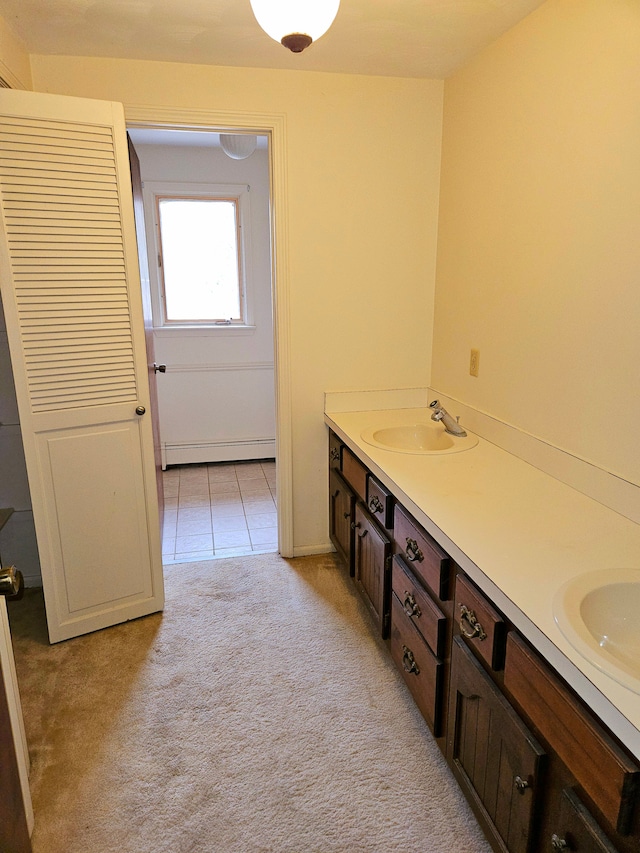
x=232, y=450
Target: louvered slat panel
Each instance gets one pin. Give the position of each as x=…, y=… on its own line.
x=67, y=211
x=61, y=210
x=86, y=140
x=56, y=294
x=56, y=168
x=67, y=241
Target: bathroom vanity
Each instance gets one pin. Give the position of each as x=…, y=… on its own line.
x=458, y=557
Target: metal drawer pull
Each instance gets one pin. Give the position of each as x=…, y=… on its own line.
x=410, y=605
x=409, y=662
x=558, y=843
x=521, y=784
x=375, y=504
x=334, y=455
x=469, y=625
x=355, y=524
x=414, y=554
x=363, y=534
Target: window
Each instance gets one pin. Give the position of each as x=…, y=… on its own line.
x=201, y=244
x=200, y=260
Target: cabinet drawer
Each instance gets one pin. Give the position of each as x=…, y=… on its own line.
x=419, y=608
x=607, y=775
x=576, y=829
x=480, y=624
x=426, y=557
x=380, y=502
x=421, y=670
x=335, y=451
x=354, y=473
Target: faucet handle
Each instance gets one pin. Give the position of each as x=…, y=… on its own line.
x=434, y=404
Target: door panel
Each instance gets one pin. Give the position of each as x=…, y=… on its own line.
x=95, y=481
x=145, y=287
x=71, y=290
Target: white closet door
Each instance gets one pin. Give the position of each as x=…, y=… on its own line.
x=71, y=291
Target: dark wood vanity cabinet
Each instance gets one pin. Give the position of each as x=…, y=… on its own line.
x=591, y=797
x=359, y=536
x=540, y=771
x=584, y=793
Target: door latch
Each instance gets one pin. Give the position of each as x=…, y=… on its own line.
x=11, y=582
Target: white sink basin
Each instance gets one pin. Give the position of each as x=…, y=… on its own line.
x=429, y=437
x=599, y=614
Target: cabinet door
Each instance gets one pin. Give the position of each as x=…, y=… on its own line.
x=575, y=829
x=373, y=567
x=494, y=757
x=342, y=502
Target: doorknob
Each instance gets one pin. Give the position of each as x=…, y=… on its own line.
x=11, y=582
x=159, y=368
x=140, y=410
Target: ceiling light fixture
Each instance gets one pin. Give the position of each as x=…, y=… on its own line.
x=238, y=146
x=295, y=23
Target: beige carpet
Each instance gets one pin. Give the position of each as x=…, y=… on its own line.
x=258, y=713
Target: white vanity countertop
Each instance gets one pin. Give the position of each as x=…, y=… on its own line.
x=519, y=534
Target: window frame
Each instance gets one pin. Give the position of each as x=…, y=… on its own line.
x=240, y=194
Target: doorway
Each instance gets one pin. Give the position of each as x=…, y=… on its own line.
x=219, y=510
x=216, y=393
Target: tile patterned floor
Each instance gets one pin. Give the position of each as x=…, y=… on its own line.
x=219, y=509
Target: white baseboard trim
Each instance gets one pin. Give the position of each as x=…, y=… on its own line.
x=218, y=451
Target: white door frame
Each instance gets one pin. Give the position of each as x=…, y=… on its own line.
x=15, y=711
x=273, y=126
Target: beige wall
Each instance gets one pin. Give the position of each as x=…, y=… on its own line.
x=539, y=240
x=363, y=164
x=15, y=66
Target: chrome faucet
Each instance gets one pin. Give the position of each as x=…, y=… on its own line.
x=441, y=414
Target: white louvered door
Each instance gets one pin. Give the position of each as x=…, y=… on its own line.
x=71, y=291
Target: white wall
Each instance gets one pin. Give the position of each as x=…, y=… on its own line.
x=15, y=64
x=216, y=400
x=539, y=249
x=18, y=537
x=363, y=163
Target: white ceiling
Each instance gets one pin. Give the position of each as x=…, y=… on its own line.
x=397, y=38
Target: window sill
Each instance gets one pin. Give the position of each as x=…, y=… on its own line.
x=202, y=331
